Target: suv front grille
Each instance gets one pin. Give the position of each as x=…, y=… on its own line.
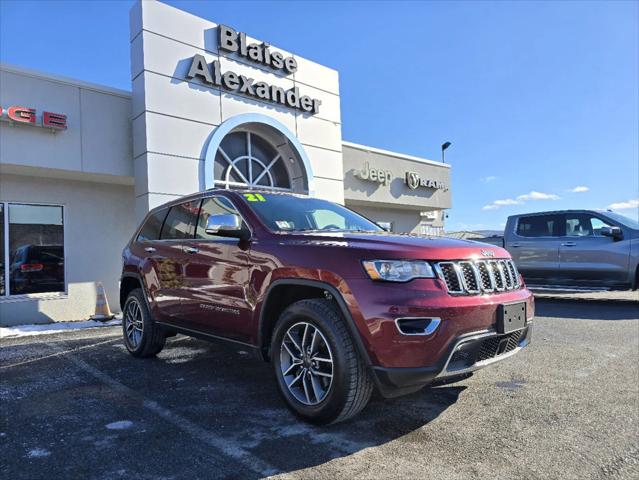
x=481, y=276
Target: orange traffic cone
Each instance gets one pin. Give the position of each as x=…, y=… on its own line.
x=102, y=310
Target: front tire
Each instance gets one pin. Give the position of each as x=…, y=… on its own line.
x=320, y=374
x=143, y=338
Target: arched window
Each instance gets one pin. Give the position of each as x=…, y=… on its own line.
x=245, y=159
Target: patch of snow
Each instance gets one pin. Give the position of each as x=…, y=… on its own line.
x=56, y=327
x=120, y=425
x=38, y=453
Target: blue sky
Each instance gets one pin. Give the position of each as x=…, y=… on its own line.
x=537, y=98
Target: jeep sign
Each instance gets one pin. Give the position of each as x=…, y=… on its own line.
x=374, y=174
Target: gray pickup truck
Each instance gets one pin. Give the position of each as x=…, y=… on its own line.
x=576, y=249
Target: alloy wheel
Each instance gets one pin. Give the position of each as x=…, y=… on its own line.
x=306, y=363
x=133, y=323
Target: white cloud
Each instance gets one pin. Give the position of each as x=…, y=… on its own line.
x=624, y=205
x=488, y=179
x=521, y=199
x=500, y=203
x=506, y=201
x=533, y=195
x=580, y=189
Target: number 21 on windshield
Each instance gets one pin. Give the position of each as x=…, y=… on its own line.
x=254, y=197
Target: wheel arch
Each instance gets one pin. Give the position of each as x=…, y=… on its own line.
x=272, y=305
x=129, y=282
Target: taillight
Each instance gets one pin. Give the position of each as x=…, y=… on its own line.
x=31, y=267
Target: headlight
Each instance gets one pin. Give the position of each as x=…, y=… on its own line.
x=398, y=270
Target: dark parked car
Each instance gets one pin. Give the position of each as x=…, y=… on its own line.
x=338, y=305
x=575, y=249
x=37, y=269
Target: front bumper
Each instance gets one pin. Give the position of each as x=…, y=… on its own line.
x=376, y=308
x=469, y=353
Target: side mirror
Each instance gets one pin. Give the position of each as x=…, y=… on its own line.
x=225, y=225
x=614, y=232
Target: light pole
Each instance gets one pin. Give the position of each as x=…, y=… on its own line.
x=444, y=147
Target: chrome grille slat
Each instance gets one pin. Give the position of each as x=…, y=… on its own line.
x=447, y=271
x=470, y=281
x=468, y=277
x=508, y=282
x=515, y=273
x=488, y=282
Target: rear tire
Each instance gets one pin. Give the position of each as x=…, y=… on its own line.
x=143, y=338
x=307, y=389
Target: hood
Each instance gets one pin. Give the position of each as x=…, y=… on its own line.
x=385, y=245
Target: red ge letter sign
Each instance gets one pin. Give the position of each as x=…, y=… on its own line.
x=54, y=120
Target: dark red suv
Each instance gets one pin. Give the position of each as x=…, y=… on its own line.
x=337, y=304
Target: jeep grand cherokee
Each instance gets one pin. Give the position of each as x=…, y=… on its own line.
x=335, y=303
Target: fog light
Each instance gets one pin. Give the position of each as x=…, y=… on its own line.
x=417, y=326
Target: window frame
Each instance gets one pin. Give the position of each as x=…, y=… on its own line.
x=8, y=297
x=136, y=237
x=169, y=208
x=219, y=239
x=201, y=199
x=590, y=215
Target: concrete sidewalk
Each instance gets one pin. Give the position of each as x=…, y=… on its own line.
x=614, y=296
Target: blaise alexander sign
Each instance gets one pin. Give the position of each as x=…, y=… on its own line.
x=233, y=42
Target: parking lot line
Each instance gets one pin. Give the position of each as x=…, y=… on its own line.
x=225, y=446
x=57, y=354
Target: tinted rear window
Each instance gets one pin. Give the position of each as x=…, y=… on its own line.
x=180, y=222
x=151, y=228
x=46, y=254
x=538, y=226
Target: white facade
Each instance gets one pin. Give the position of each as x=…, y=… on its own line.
x=174, y=117
x=86, y=169
x=123, y=153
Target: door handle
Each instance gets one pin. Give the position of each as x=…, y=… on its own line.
x=515, y=245
x=569, y=244
x=191, y=250
x=149, y=249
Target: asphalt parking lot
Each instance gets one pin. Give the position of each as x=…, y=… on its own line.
x=76, y=405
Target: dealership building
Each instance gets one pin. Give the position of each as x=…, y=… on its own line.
x=209, y=107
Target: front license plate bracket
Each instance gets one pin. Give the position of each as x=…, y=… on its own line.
x=511, y=317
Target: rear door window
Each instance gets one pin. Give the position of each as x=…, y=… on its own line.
x=538, y=226
x=151, y=228
x=180, y=222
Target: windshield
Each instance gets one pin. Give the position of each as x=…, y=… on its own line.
x=629, y=222
x=282, y=213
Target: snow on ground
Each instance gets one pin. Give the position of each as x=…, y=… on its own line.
x=38, y=453
x=120, y=425
x=56, y=327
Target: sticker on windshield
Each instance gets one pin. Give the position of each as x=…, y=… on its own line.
x=284, y=225
x=254, y=197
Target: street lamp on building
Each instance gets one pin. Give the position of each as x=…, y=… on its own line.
x=444, y=147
